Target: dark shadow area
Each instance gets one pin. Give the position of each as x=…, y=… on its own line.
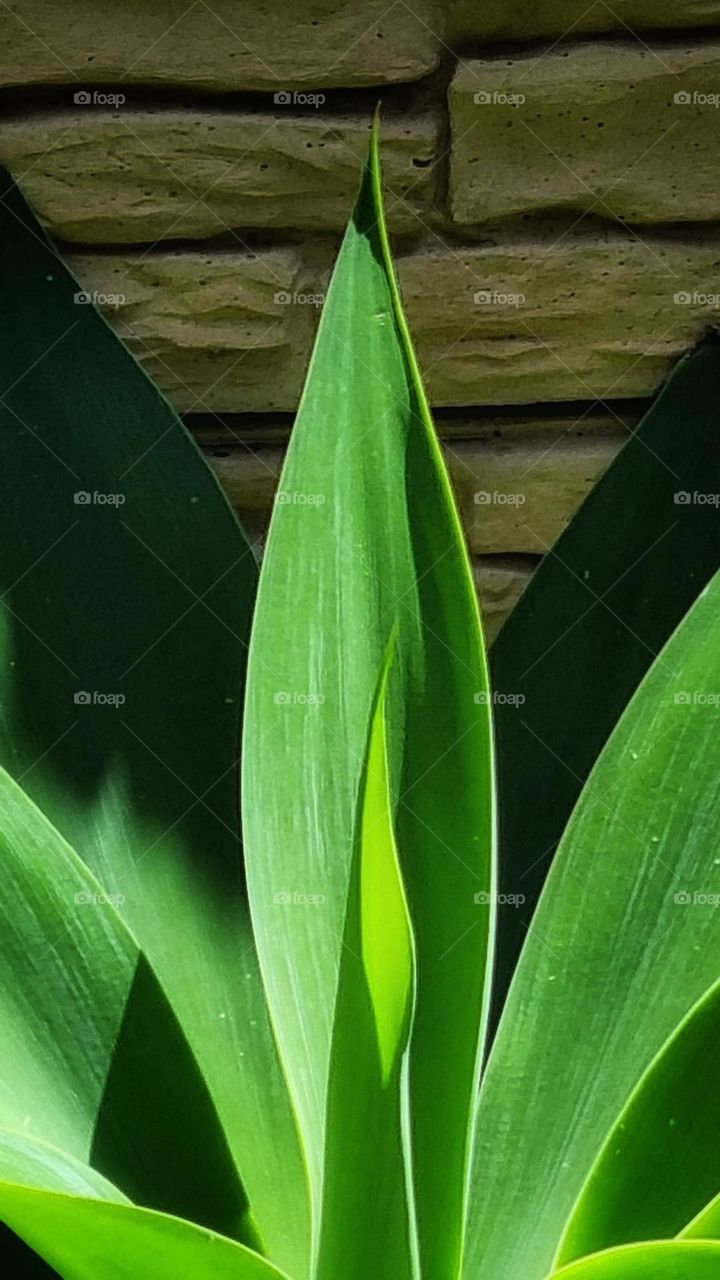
x=157, y=1135
x=597, y=612
x=126, y=588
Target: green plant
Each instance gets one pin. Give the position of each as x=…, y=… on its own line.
x=188, y=1091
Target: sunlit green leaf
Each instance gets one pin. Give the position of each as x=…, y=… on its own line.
x=367, y=1099
x=93, y=1059
x=96, y=1240
x=651, y=1261
x=365, y=536
x=126, y=590
x=625, y=941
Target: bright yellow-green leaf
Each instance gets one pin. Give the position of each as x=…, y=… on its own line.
x=650, y=1261
x=368, y=1088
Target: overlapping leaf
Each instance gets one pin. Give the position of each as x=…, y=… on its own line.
x=624, y=942
x=651, y=1261
x=93, y=1058
x=660, y=1165
x=367, y=1096
x=126, y=590
x=604, y=600
x=364, y=536
x=85, y=1239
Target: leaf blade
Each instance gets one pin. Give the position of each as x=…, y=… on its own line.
x=605, y=597
x=86, y=1238
x=664, y=1141
x=126, y=510
x=379, y=542
x=632, y=963
x=367, y=1091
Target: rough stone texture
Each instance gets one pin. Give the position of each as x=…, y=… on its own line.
x=217, y=44
x=213, y=330
x=500, y=581
x=619, y=130
x=512, y=498
x=128, y=177
x=501, y=20
x=223, y=433
x=519, y=497
x=599, y=316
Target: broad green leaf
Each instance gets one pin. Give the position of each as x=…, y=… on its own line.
x=706, y=1224
x=30, y=1163
x=368, y=1080
x=85, y=1239
x=599, y=608
x=123, y=575
x=365, y=536
x=93, y=1058
x=649, y=1261
x=661, y=1163
x=624, y=942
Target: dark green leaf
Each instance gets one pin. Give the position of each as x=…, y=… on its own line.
x=601, y=605
x=624, y=942
x=124, y=574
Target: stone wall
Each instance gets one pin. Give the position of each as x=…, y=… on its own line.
x=550, y=183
